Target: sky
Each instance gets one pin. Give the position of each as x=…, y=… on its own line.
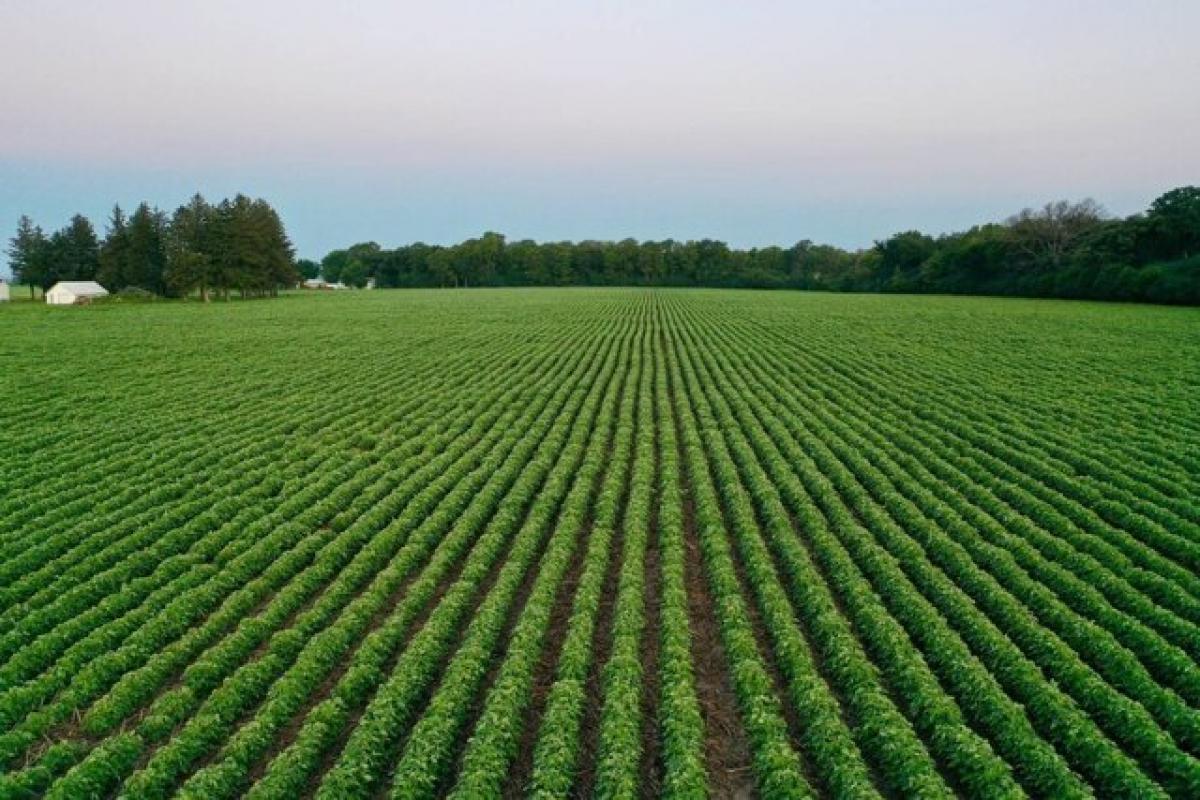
x=756, y=122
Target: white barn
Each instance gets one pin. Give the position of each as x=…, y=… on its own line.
x=68, y=293
x=3, y=291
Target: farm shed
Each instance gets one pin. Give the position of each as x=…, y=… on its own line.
x=317, y=283
x=67, y=293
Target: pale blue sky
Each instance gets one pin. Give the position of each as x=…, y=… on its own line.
x=755, y=122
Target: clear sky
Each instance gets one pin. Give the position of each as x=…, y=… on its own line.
x=753, y=121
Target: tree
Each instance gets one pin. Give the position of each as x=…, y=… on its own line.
x=712, y=262
x=652, y=263
x=146, y=254
x=558, y=260
x=27, y=255
x=817, y=266
x=191, y=248
x=971, y=262
x=74, y=252
x=477, y=261
x=765, y=267
x=280, y=254
x=620, y=262
x=901, y=258
x=1173, y=223
x=522, y=264
x=336, y=262
x=332, y=265
x=308, y=269
x=1046, y=235
x=354, y=273
x=240, y=243
x=440, y=263
x=253, y=253
x=681, y=263
x=114, y=252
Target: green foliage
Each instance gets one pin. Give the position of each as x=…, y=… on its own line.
x=1061, y=250
x=135, y=251
x=28, y=256
x=308, y=268
x=1173, y=224
x=938, y=546
x=73, y=253
x=239, y=244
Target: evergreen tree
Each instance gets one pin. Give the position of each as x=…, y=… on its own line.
x=191, y=248
x=280, y=269
x=242, y=246
x=253, y=253
x=114, y=252
x=146, y=257
x=27, y=255
x=74, y=251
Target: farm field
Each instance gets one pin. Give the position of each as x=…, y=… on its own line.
x=600, y=542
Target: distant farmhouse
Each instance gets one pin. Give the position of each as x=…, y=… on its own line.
x=3, y=291
x=69, y=293
x=317, y=283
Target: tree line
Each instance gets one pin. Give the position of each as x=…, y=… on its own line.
x=238, y=244
x=1063, y=249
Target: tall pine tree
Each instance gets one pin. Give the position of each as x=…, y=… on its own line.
x=114, y=252
x=28, y=255
x=74, y=252
x=147, y=255
x=191, y=248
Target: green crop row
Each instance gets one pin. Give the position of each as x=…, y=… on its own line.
x=612, y=543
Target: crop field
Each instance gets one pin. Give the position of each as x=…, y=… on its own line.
x=611, y=543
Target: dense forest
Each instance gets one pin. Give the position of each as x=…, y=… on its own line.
x=1060, y=250
x=210, y=250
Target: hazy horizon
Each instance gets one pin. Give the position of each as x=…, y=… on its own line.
x=760, y=123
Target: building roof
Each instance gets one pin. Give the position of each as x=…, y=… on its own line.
x=81, y=288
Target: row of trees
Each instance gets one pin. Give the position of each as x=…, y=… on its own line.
x=238, y=244
x=1060, y=250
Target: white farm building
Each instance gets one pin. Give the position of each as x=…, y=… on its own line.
x=317, y=283
x=3, y=291
x=68, y=293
